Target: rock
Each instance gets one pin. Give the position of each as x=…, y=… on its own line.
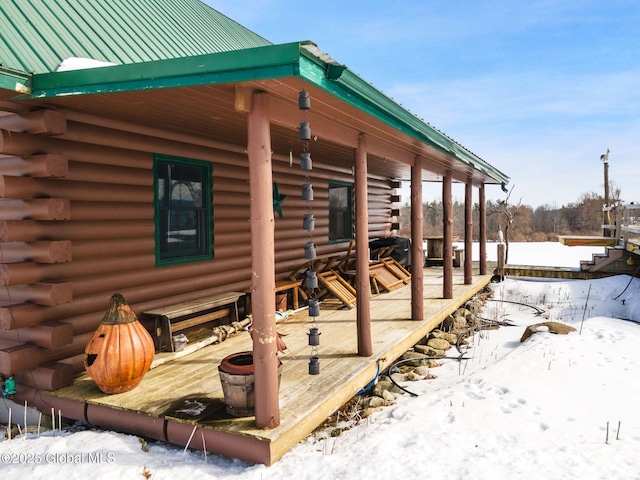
x=422, y=371
x=427, y=350
x=413, y=376
x=375, y=402
x=474, y=306
x=370, y=411
x=398, y=377
x=451, y=338
x=414, y=359
x=388, y=397
x=438, y=344
x=448, y=324
x=431, y=363
x=459, y=322
x=383, y=385
x=553, y=327
x=436, y=334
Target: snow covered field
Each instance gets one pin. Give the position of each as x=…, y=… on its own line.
x=553, y=407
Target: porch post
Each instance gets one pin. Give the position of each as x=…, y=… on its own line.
x=468, y=232
x=483, y=230
x=447, y=206
x=363, y=285
x=265, y=354
x=417, y=253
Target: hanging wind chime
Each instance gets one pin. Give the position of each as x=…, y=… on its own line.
x=304, y=134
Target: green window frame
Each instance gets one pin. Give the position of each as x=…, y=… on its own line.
x=183, y=210
x=341, y=216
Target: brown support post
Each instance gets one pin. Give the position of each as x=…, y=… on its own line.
x=363, y=285
x=501, y=257
x=447, y=205
x=483, y=230
x=417, y=254
x=265, y=355
x=468, y=232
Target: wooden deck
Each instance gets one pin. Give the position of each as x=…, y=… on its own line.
x=586, y=240
x=184, y=393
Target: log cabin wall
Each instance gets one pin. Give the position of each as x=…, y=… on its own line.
x=77, y=225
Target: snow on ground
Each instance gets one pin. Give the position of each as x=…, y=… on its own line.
x=555, y=406
x=545, y=254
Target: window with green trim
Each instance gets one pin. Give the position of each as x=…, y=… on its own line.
x=340, y=211
x=183, y=210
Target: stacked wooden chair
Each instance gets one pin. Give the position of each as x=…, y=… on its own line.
x=336, y=274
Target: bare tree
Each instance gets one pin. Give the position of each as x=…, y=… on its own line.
x=507, y=213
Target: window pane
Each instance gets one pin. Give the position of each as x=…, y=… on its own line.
x=183, y=210
x=340, y=212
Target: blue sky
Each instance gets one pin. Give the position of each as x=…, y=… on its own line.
x=538, y=89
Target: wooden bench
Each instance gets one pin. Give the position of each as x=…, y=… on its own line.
x=174, y=318
x=282, y=286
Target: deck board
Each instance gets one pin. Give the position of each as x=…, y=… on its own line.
x=305, y=400
x=587, y=240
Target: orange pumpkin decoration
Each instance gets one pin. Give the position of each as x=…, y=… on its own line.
x=120, y=351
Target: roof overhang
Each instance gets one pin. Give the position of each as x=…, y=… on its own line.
x=301, y=62
x=14, y=81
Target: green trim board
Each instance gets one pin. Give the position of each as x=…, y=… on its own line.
x=259, y=63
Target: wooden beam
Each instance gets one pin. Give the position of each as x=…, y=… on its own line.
x=16, y=358
x=87, y=149
x=244, y=99
x=51, y=376
x=47, y=335
x=468, y=232
x=25, y=187
x=288, y=115
x=38, y=293
x=382, y=149
x=35, y=209
x=363, y=284
x=44, y=165
x=417, y=253
x=265, y=357
x=38, y=252
x=47, y=122
x=483, y=229
x=33, y=230
x=447, y=204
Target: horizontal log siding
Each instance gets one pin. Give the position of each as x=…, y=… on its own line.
x=107, y=181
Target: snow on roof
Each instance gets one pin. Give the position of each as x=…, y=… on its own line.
x=79, y=63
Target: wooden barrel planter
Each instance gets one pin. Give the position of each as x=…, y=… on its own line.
x=236, y=376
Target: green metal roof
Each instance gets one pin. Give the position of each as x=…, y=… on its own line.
x=177, y=43
x=37, y=35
